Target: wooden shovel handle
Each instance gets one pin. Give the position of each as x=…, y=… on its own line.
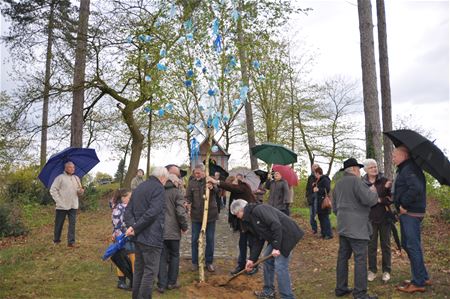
x=254, y=265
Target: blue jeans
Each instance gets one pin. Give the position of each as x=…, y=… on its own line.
x=312, y=215
x=169, y=263
x=410, y=229
x=325, y=225
x=209, y=251
x=280, y=266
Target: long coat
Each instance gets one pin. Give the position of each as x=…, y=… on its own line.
x=279, y=194
x=175, y=216
x=324, y=187
x=352, y=200
x=269, y=224
x=145, y=212
x=240, y=190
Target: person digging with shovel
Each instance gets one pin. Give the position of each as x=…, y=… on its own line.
x=281, y=232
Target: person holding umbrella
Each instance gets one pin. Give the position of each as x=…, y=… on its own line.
x=410, y=201
x=65, y=190
x=380, y=218
x=279, y=192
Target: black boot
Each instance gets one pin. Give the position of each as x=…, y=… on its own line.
x=122, y=284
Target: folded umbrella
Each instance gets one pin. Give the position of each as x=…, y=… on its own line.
x=248, y=175
x=272, y=153
x=116, y=246
x=424, y=152
x=123, y=262
x=84, y=160
x=287, y=173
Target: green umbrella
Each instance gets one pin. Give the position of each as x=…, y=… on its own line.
x=272, y=153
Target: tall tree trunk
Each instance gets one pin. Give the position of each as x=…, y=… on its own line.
x=137, y=144
x=245, y=80
x=386, y=110
x=76, y=136
x=369, y=78
x=149, y=139
x=46, y=95
x=124, y=161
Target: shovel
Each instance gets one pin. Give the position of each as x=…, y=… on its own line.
x=243, y=271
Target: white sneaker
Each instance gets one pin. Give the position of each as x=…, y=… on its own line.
x=371, y=276
x=386, y=276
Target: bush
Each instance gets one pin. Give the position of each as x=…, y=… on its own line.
x=441, y=194
x=10, y=221
x=89, y=200
x=22, y=186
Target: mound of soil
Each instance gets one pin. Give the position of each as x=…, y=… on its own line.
x=241, y=287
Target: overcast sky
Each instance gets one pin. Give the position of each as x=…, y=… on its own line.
x=418, y=45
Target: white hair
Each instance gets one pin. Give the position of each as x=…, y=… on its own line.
x=237, y=205
x=174, y=178
x=200, y=167
x=349, y=169
x=160, y=172
x=369, y=162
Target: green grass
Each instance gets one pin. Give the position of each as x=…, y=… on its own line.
x=304, y=213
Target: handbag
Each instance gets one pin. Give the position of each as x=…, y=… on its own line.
x=326, y=202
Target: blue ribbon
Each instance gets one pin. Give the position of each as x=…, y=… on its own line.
x=195, y=149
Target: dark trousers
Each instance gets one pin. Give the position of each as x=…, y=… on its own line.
x=195, y=234
x=245, y=239
x=312, y=216
x=347, y=246
x=384, y=231
x=169, y=264
x=412, y=243
x=146, y=267
x=325, y=225
x=60, y=217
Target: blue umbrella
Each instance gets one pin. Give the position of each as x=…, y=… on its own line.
x=84, y=160
x=113, y=248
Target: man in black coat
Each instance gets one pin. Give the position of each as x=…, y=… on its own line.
x=144, y=217
x=282, y=234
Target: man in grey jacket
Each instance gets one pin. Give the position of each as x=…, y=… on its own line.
x=352, y=200
x=279, y=192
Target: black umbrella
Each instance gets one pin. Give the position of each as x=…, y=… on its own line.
x=424, y=152
x=262, y=174
x=123, y=262
x=213, y=168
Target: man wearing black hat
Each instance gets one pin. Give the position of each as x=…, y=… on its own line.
x=352, y=200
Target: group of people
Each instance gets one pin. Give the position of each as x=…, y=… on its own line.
x=155, y=214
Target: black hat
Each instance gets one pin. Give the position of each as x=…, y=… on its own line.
x=351, y=162
x=183, y=173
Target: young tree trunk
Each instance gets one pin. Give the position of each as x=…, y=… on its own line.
x=76, y=138
x=202, y=237
x=369, y=77
x=46, y=95
x=386, y=110
x=245, y=80
x=149, y=138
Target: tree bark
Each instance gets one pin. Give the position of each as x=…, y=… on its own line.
x=369, y=78
x=76, y=138
x=202, y=237
x=46, y=95
x=386, y=110
x=149, y=137
x=245, y=80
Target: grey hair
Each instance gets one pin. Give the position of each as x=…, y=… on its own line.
x=68, y=162
x=369, y=162
x=160, y=172
x=174, y=179
x=200, y=166
x=349, y=169
x=237, y=205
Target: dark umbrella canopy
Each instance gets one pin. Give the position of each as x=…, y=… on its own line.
x=213, y=168
x=84, y=160
x=274, y=154
x=262, y=174
x=424, y=152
